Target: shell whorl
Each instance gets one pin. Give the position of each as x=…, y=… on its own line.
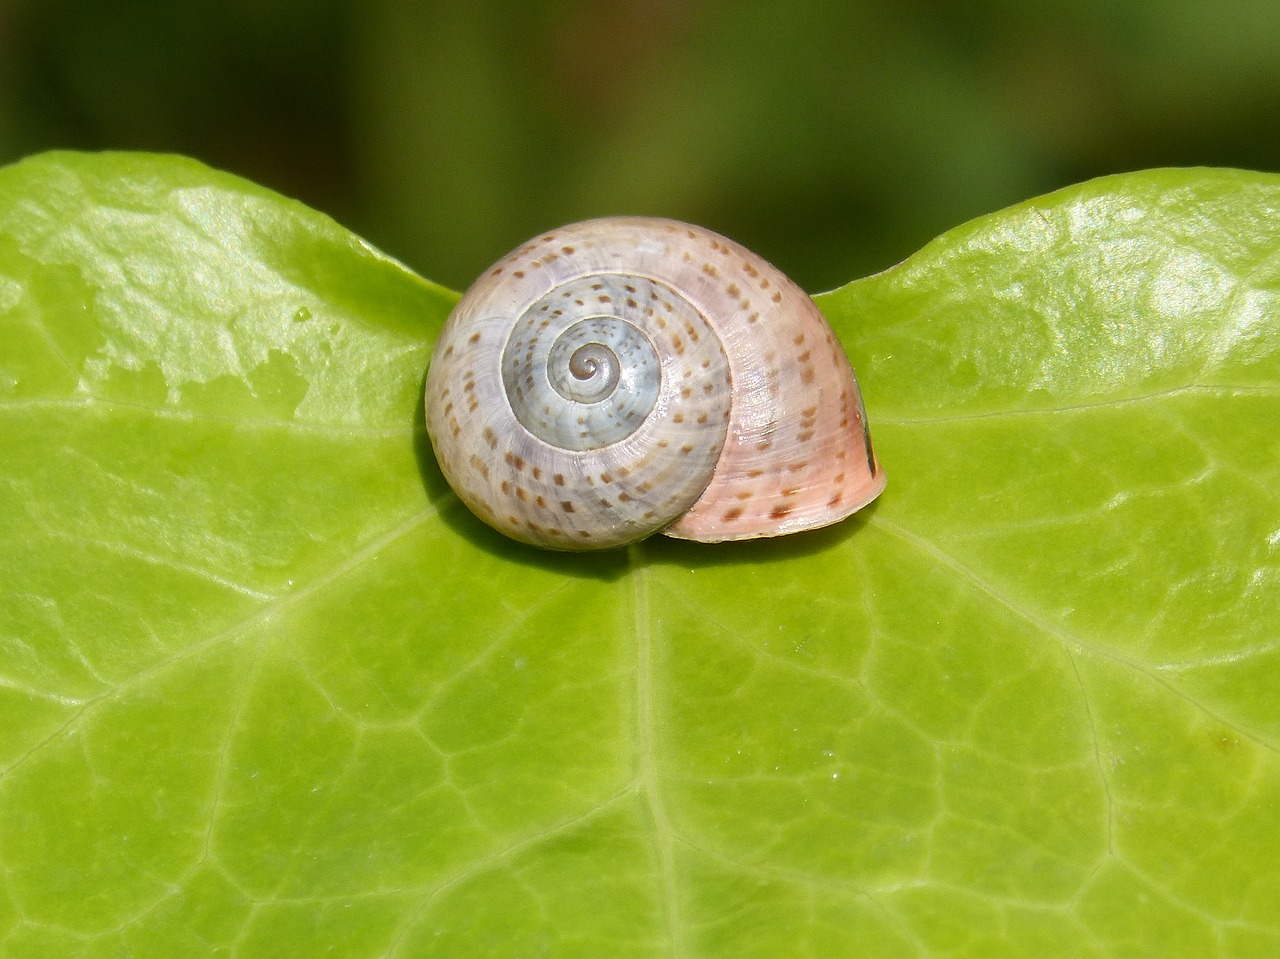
x=620, y=377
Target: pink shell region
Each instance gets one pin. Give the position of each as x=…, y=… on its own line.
x=799, y=453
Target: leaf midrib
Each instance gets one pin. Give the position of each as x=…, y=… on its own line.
x=650, y=785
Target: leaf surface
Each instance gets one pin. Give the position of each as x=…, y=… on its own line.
x=266, y=689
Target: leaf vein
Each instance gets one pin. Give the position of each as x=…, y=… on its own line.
x=259, y=616
x=1034, y=619
x=1111, y=402
x=647, y=761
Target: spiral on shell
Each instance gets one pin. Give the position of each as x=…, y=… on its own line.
x=625, y=376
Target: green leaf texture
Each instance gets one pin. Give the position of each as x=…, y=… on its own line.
x=268, y=690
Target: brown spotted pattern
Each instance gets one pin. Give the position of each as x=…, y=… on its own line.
x=756, y=426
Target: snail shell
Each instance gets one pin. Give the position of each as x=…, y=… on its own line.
x=625, y=376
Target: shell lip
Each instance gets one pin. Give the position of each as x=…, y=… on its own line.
x=787, y=527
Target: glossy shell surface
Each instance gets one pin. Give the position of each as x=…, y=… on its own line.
x=625, y=376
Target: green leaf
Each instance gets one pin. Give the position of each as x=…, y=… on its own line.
x=266, y=689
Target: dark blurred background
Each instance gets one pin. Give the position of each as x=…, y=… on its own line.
x=834, y=137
